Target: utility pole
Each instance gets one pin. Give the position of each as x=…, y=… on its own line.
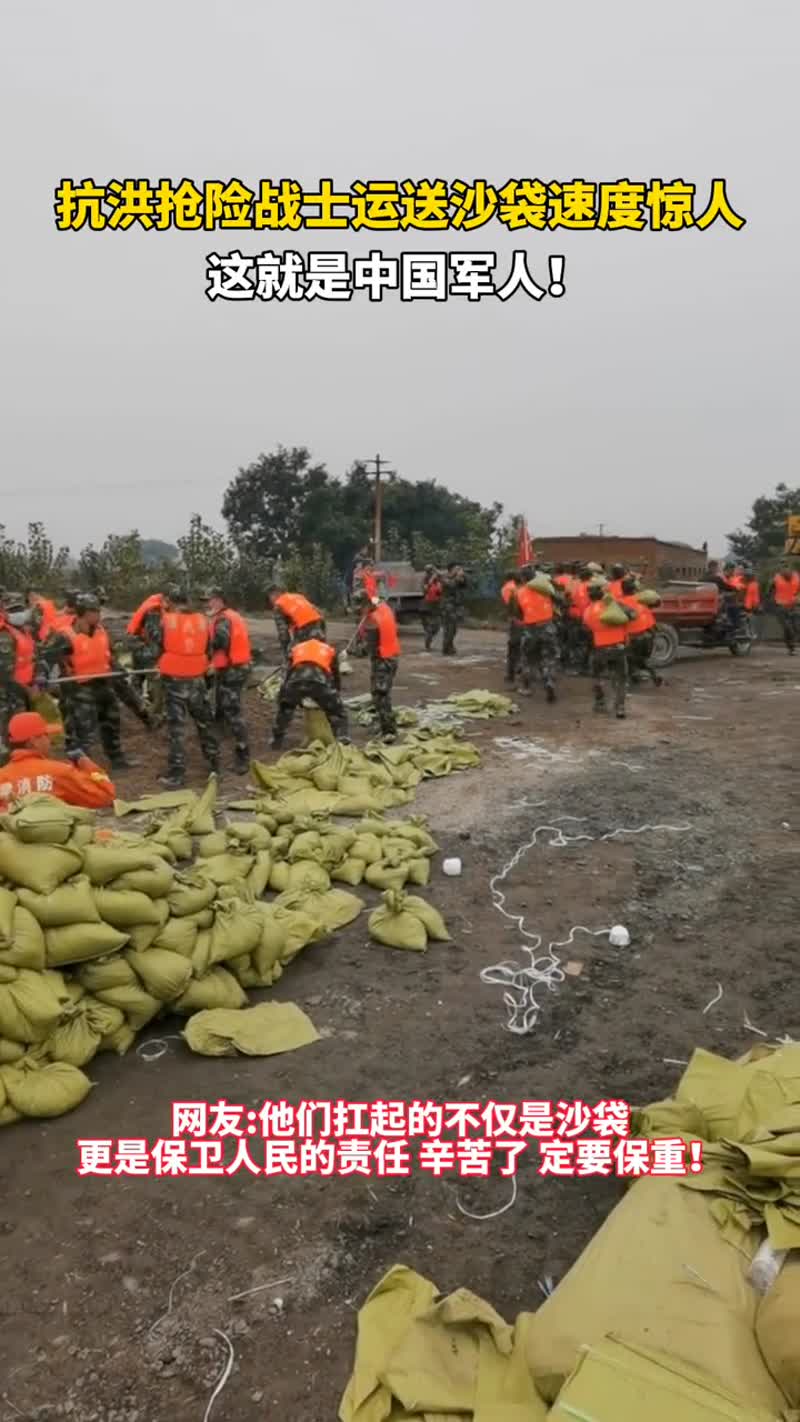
x=380, y=469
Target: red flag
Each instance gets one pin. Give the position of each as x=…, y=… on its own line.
x=524, y=546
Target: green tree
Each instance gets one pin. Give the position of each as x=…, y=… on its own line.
x=207, y=557
x=268, y=501
x=118, y=567
x=762, y=538
x=156, y=553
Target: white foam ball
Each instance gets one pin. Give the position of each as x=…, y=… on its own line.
x=619, y=937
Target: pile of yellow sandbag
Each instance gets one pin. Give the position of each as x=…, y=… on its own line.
x=101, y=929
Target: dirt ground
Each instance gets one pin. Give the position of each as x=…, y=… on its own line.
x=88, y=1264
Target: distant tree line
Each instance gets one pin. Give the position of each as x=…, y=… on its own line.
x=286, y=517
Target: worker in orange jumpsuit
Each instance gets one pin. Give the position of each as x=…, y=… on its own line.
x=296, y=619
x=32, y=769
x=786, y=593
x=641, y=634
x=609, y=652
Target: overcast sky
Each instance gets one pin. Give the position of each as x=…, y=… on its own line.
x=655, y=397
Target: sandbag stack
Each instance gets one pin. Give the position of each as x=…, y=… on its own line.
x=102, y=929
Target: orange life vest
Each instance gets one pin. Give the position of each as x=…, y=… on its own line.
x=563, y=580
x=185, y=651
x=49, y=616
x=578, y=598
x=645, y=621
x=786, y=589
x=736, y=580
x=150, y=603
x=297, y=609
x=615, y=588
x=25, y=649
x=238, y=653
x=313, y=653
x=752, y=595
x=535, y=607
x=91, y=656
x=370, y=583
x=383, y=618
x=433, y=591
x=62, y=622
x=507, y=589
x=602, y=635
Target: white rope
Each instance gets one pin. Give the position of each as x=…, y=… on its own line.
x=493, y=1213
x=224, y=1375
x=545, y=971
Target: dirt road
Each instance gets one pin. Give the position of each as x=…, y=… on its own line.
x=88, y=1264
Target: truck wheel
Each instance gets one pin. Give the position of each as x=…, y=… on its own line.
x=665, y=646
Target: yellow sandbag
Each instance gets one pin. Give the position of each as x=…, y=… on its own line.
x=270, y=946
x=776, y=1327
x=69, y=903
x=247, y=834
x=261, y=1031
x=127, y=908
x=217, y=988
x=142, y=935
x=299, y=929
x=279, y=877
x=316, y=726
x=190, y=893
x=258, y=878
x=162, y=974
x=613, y=615
x=8, y=902
x=28, y=947
x=386, y=876
x=178, y=935
x=431, y=919
x=330, y=910
x=648, y=597
x=392, y=925
x=42, y=819
x=105, y=862
x=416, y=831
x=39, y=867
x=138, y=1006
x=79, y=941
x=45, y=1091
x=11, y=1051
x=211, y=844
x=201, y=954
x=29, y=1008
x=623, y=1384
x=170, y=800
x=73, y=1040
x=632, y=1280
x=66, y=988
x=308, y=876
x=307, y=845
x=81, y=836
x=102, y=1018
x=366, y=846
x=419, y=872
x=119, y=1041
x=541, y=583
x=225, y=868
x=155, y=879
x=350, y=871
x=201, y=816
x=106, y=973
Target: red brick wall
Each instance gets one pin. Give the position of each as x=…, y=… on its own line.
x=655, y=561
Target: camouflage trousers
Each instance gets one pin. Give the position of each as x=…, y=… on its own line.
x=384, y=671
x=13, y=698
x=431, y=623
x=513, y=651
x=92, y=707
x=229, y=686
x=579, y=644
x=640, y=649
x=789, y=617
x=309, y=683
x=539, y=654
x=184, y=697
x=610, y=664
x=451, y=617
x=149, y=687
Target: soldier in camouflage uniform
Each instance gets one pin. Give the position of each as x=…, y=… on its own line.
x=312, y=674
x=380, y=630
x=453, y=592
x=177, y=634
x=231, y=661
x=91, y=706
x=13, y=696
x=431, y=605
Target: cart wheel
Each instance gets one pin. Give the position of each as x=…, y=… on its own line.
x=665, y=646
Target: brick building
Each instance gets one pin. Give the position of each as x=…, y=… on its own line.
x=653, y=558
